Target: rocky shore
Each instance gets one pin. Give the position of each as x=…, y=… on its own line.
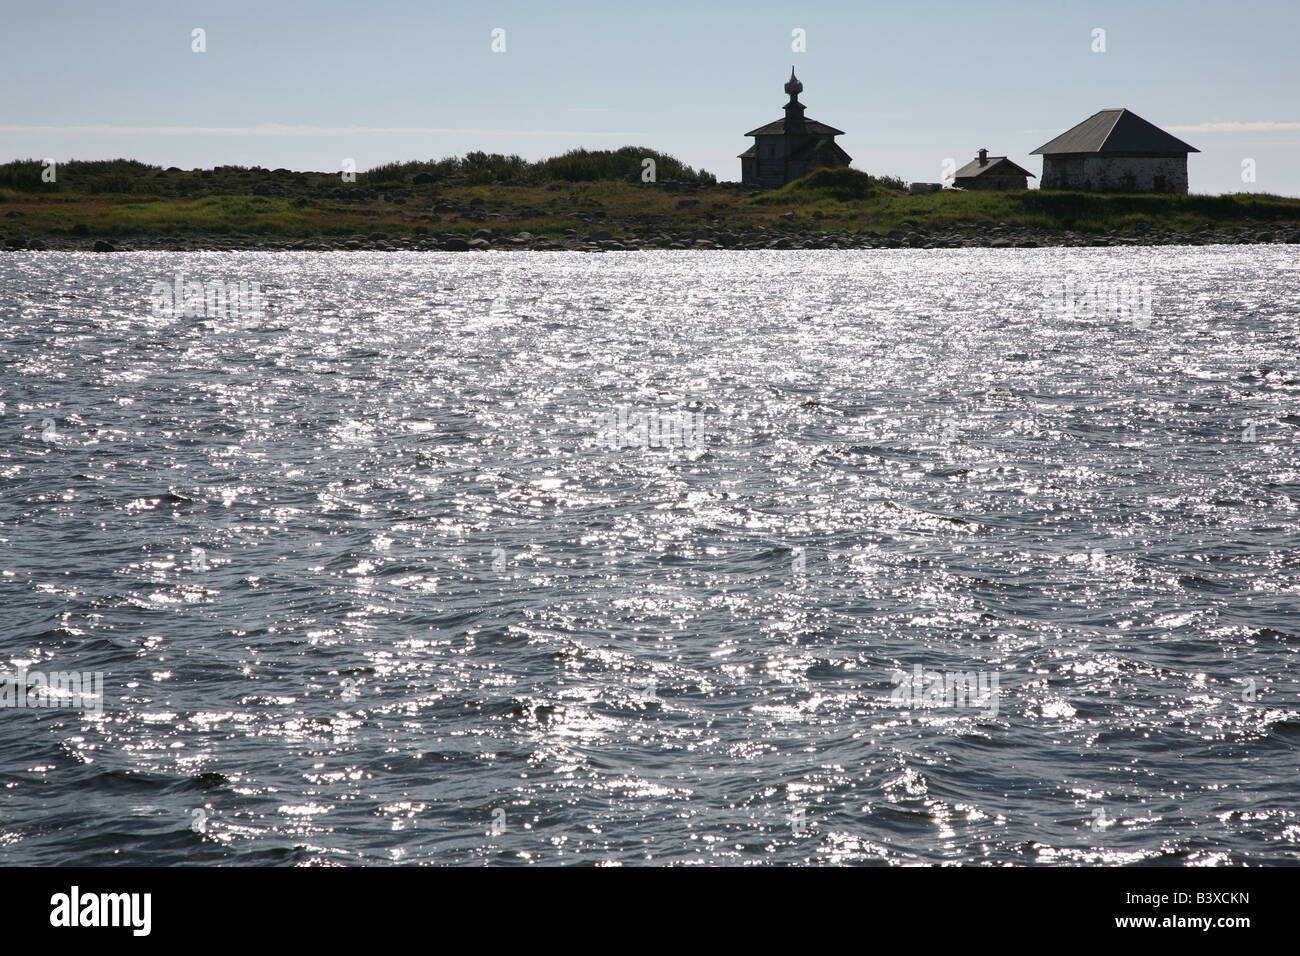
x=791, y=236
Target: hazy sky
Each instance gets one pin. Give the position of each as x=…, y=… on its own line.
x=308, y=83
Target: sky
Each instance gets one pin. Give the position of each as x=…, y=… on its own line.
x=309, y=84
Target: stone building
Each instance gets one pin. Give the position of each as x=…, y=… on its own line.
x=992, y=172
x=792, y=147
x=1116, y=151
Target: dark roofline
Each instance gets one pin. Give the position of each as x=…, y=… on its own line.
x=993, y=163
x=822, y=129
x=1098, y=135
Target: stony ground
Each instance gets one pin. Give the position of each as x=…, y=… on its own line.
x=606, y=240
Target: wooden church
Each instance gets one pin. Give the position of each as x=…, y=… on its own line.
x=789, y=148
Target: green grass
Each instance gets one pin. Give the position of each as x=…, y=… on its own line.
x=838, y=185
x=889, y=209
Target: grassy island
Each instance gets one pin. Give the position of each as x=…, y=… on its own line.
x=583, y=199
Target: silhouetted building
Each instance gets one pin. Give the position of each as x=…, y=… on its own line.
x=1116, y=151
x=992, y=172
x=792, y=147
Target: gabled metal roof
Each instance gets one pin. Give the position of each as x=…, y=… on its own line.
x=1116, y=131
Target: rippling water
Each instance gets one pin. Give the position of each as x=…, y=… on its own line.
x=368, y=580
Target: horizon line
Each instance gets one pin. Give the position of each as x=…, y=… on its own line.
x=276, y=129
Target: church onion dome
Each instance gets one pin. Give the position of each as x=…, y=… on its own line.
x=793, y=86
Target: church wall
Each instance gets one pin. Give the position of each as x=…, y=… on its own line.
x=773, y=168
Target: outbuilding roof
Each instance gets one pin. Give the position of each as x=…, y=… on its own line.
x=1004, y=166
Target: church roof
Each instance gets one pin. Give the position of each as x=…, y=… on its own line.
x=818, y=144
x=1116, y=131
x=1003, y=165
x=810, y=147
x=810, y=126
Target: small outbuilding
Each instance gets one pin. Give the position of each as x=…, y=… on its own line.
x=1116, y=151
x=992, y=172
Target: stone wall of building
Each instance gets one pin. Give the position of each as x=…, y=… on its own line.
x=1118, y=174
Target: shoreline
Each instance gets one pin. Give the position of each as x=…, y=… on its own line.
x=1003, y=236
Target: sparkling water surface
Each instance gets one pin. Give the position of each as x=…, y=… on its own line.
x=368, y=582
